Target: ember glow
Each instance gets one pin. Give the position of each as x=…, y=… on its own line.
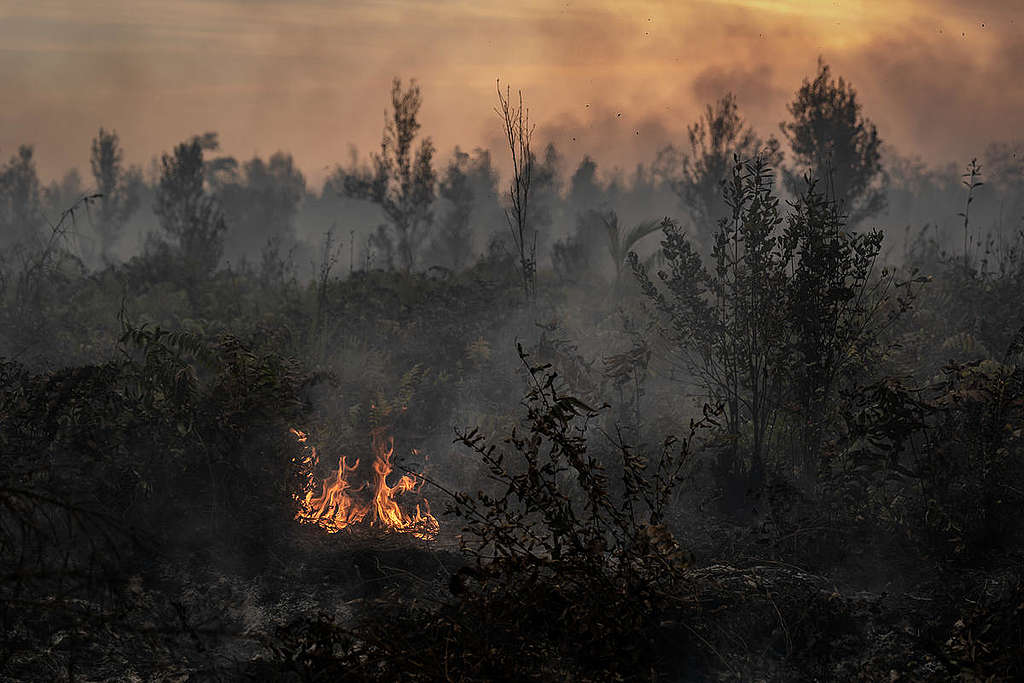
x=339, y=504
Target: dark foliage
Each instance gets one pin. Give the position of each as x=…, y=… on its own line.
x=941, y=463
x=791, y=306
x=832, y=140
x=173, y=449
x=702, y=170
x=189, y=215
x=119, y=189
x=563, y=579
x=401, y=182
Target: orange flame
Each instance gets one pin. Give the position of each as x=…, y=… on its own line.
x=336, y=507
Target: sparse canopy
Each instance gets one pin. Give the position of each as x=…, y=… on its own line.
x=519, y=135
x=401, y=182
x=454, y=239
x=832, y=141
x=187, y=213
x=716, y=140
x=20, y=210
x=790, y=302
x=119, y=188
x=261, y=200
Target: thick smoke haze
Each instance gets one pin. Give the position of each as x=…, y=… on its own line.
x=617, y=80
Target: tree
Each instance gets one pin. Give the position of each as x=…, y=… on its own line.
x=454, y=243
x=260, y=200
x=715, y=140
x=488, y=212
x=471, y=211
x=21, y=214
x=400, y=182
x=187, y=212
x=119, y=189
x=59, y=195
x=788, y=304
x=832, y=141
x=519, y=134
x=546, y=202
x=576, y=256
x=972, y=181
x=586, y=192
x=837, y=304
x=727, y=321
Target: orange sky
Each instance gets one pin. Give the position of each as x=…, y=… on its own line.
x=618, y=79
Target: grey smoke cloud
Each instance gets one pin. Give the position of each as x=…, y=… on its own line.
x=312, y=76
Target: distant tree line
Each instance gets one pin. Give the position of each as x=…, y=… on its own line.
x=207, y=210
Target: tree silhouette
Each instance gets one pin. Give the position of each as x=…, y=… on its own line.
x=788, y=306
x=187, y=213
x=546, y=203
x=119, y=189
x=20, y=209
x=60, y=194
x=715, y=142
x=832, y=141
x=454, y=238
x=260, y=199
x=519, y=134
x=400, y=182
x=586, y=191
x=578, y=254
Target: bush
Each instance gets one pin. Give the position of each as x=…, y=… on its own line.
x=777, y=321
x=941, y=463
x=565, y=580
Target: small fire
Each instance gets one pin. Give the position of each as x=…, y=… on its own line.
x=336, y=507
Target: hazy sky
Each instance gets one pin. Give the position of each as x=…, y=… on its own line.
x=617, y=79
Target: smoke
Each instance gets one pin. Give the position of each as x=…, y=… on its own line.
x=312, y=78
x=943, y=94
x=757, y=91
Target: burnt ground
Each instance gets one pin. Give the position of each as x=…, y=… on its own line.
x=192, y=618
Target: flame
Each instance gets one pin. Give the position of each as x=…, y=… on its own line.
x=336, y=507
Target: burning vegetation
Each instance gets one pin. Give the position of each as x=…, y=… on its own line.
x=341, y=504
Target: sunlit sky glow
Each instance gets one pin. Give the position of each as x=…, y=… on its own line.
x=616, y=79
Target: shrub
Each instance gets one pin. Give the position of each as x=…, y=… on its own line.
x=787, y=307
x=565, y=579
x=940, y=463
